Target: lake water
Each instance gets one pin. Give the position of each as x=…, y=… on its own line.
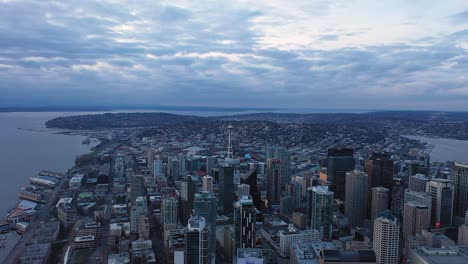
x=24, y=153
x=446, y=149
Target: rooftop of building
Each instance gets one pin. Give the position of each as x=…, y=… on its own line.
x=122, y=258
x=84, y=238
x=387, y=216
x=92, y=225
x=249, y=253
x=66, y=200
x=421, y=194
x=354, y=256
x=450, y=255
x=321, y=190
x=381, y=189
x=439, y=180
x=67, y=207
x=420, y=176
x=84, y=195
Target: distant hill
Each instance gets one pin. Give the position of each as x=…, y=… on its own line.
x=302, y=118
x=151, y=119
x=119, y=120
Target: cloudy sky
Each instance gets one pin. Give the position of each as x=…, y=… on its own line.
x=394, y=54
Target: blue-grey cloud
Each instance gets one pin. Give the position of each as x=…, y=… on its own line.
x=220, y=54
x=460, y=18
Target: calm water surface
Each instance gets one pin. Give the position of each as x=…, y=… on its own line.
x=446, y=149
x=24, y=153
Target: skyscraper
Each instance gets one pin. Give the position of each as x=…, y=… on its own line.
x=250, y=178
x=170, y=210
x=418, y=182
x=137, y=187
x=139, y=208
x=340, y=161
x=287, y=205
x=442, y=194
x=379, y=201
x=463, y=232
x=283, y=155
x=386, y=238
x=320, y=210
x=174, y=168
x=273, y=181
x=188, y=190
x=210, y=164
x=197, y=244
x=415, y=218
x=297, y=192
x=460, y=182
x=379, y=168
x=205, y=204
x=356, y=192
x=158, y=170
x=207, y=185
x=242, y=189
x=244, y=223
x=226, y=187
x=150, y=158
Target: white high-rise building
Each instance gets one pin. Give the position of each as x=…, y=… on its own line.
x=386, y=238
x=207, y=183
x=242, y=190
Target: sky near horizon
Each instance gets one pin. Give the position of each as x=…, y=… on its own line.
x=341, y=54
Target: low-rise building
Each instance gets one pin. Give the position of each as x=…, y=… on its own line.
x=122, y=258
x=429, y=255
x=288, y=238
x=67, y=214
x=36, y=253
x=47, y=232
x=250, y=256
x=82, y=242
x=335, y=256
x=102, y=190
x=76, y=181
x=91, y=229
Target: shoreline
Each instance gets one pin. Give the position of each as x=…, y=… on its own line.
x=443, y=149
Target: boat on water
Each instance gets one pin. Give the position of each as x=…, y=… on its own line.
x=48, y=173
x=86, y=141
x=31, y=195
x=46, y=181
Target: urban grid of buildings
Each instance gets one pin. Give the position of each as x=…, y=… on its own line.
x=216, y=199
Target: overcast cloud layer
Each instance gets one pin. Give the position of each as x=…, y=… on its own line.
x=394, y=54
